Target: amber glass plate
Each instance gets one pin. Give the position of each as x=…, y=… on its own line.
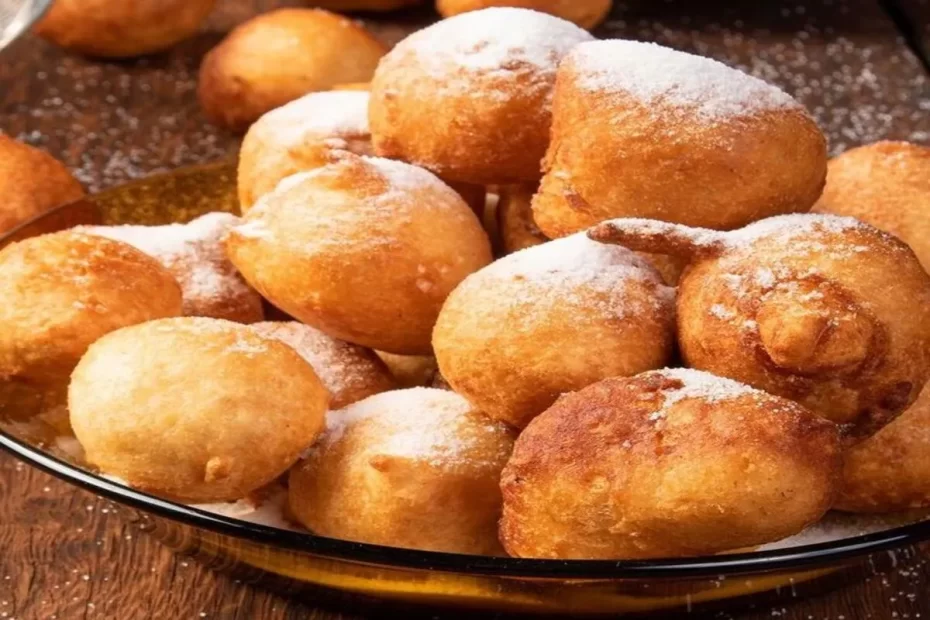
x=302, y=562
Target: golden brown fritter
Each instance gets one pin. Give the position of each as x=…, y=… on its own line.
x=469, y=97
x=364, y=249
x=551, y=319
x=640, y=130
x=669, y=463
x=31, y=183
x=886, y=184
x=195, y=409
x=414, y=468
x=821, y=309
x=279, y=56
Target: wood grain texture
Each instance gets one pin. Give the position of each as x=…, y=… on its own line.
x=66, y=554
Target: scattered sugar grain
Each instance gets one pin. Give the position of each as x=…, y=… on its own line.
x=653, y=74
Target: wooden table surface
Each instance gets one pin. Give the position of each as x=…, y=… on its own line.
x=66, y=554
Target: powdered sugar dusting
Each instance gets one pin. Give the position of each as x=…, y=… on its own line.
x=344, y=368
x=653, y=74
x=698, y=384
x=575, y=270
x=265, y=507
x=494, y=42
x=790, y=226
x=195, y=256
x=330, y=114
x=426, y=424
x=839, y=526
x=403, y=177
x=243, y=341
x=646, y=228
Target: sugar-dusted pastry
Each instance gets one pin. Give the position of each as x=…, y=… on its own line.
x=886, y=184
x=410, y=370
x=195, y=255
x=585, y=13
x=414, y=468
x=733, y=149
x=119, y=29
x=31, y=183
x=350, y=372
x=469, y=96
x=890, y=472
x=552, y=319
x=670, y=463
x=195, y=409
x=279, y=56
x=63, y=291
x=299, y=136
x=821, y=309
x=365, y=249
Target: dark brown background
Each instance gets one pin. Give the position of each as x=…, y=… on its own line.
x=66, y=554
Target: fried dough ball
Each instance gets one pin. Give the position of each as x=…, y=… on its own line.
x=364, y=5
x=551, y=319
x=890, y=472
x=468, y=97
x=671, y=463
x=177, y=407
x=410, y=370
x=299, y=136
x=585, y=13
x=63, y=291
x=60, y=293
x=364, y=249
x=31, y=183
x=821, y=309
x=515, y=223
x=195, y=255
x=118, y=29
x=350, y=372
x=279, y=56
x=886, y=184
x=733, y=150
x=414, y=468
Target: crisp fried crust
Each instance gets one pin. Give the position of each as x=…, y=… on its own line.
x=31, y=182
x=649, y=467
x=833, y=315
x=615, y=155
x=470, y=107
x=551, y=319
x=302, y=135
x=886, y=184
x=279, y=56
x=411, y=468
x=365, y=250
x=195, y=409
x=122, y=29
x=63, y=291
x=890, y=472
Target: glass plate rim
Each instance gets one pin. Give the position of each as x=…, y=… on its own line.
x=803, y=556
